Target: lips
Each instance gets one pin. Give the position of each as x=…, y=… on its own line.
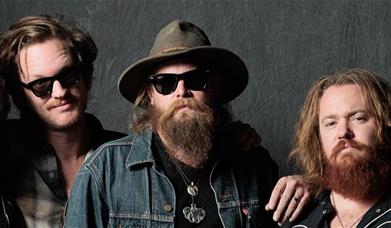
x=348, y=145
x=182, y=107
x=63, y=105
x=347, y=148
x=344, y=146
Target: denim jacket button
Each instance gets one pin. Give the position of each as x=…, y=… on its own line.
x=167, y=207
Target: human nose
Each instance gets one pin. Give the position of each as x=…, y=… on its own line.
x=181, y=90
x=344, y=130
x=58, y=91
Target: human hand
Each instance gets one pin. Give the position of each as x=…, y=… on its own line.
x=288, y=198
x=241, y=135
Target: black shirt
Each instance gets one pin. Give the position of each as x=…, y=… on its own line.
x=320, y=212
x=200, y=176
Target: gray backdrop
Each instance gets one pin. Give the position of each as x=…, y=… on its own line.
x=285, y=44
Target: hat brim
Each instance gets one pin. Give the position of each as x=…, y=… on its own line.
x=232, y=69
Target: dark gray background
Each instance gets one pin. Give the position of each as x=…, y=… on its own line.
x=285, y=44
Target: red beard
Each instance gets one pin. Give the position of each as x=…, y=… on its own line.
x=360, y=174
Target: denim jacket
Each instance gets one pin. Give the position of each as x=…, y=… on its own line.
x=120, y=186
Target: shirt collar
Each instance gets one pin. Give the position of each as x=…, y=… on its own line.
x=140, y=152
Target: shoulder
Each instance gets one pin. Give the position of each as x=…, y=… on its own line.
x=98, y=134
x=379, y=215
x=109, y=135
x=107, y=150
x=128, y=149
x=258, y=158
x=253, y=167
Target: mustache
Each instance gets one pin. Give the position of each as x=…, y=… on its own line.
x=68, y=98
x=189, y=103
x=342, y=145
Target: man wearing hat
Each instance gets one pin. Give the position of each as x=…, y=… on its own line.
x=47, y=64
x=174, y=170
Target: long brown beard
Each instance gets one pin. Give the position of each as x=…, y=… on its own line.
x=189, y=138
x=359, y=175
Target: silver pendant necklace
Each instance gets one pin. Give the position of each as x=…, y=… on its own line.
x=193, y=213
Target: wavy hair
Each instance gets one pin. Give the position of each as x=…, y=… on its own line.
x=35, y=29
x=307, y=148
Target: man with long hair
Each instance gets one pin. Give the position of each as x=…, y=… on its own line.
x=175, y=169
x=47, y=65
x=342, y=145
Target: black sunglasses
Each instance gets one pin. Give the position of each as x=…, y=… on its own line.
x=166, y=83
x=43, y=86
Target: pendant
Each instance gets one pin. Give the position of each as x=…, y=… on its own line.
x=192, y=189
x=193, y=213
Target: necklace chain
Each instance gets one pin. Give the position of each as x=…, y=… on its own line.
x=339, y=218
x=184, y=177
x=193, y=213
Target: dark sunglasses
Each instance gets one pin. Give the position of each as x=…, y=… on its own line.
x=43, y=86
x=166, y=83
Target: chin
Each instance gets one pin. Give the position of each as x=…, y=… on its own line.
x=65, y=123
x=184, y=115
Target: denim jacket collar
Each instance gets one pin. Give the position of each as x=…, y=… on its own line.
x=140, y=152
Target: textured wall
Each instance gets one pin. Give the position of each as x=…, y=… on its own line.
x=285, y=44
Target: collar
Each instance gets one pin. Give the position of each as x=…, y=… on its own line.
x=140, y=152
x=379, y=209
x=376, y=212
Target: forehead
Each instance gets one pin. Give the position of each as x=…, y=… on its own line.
x=174, y=67
x=45, y=58
x=341, y=99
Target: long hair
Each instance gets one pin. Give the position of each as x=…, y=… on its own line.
x=307, y=148
x=35, y=29
x=141, y=113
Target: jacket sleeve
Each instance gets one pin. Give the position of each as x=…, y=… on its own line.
x=86, y=206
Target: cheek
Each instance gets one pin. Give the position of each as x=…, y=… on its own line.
x=32, y=100
x=326, y=141
x=80, y=89
x=369, y=135
x=204, y=97
x=160, y=101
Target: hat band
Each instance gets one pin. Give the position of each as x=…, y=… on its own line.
x=172, y=49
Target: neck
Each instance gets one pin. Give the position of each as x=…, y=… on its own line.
x=71, y=146
x=349, y=212
x=69, y=143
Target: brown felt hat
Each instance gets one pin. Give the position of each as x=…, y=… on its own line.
x=181, y=40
